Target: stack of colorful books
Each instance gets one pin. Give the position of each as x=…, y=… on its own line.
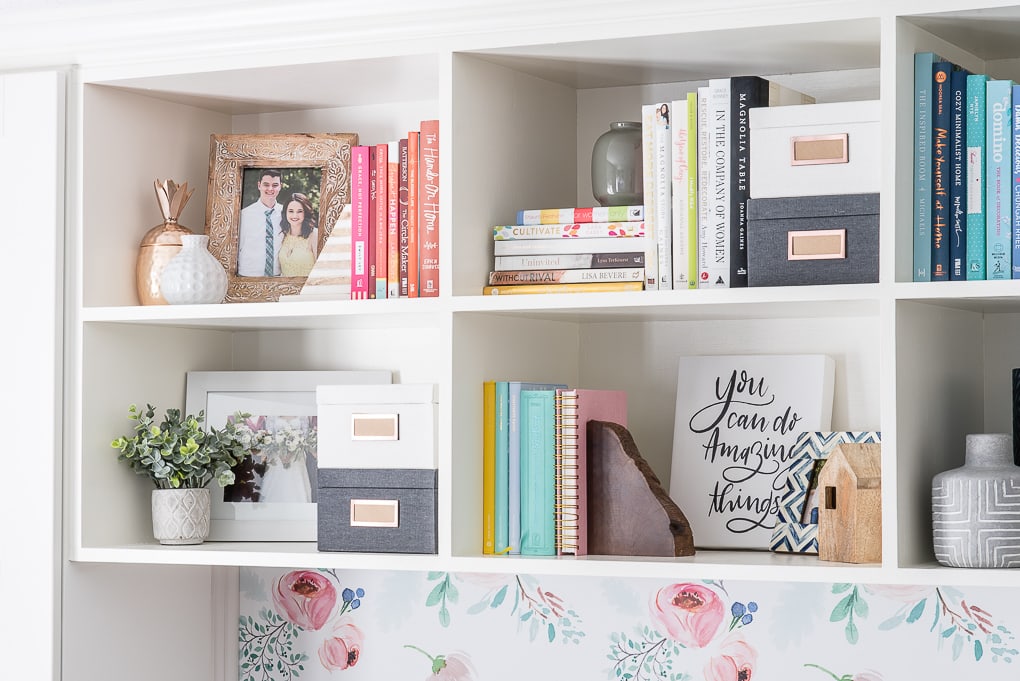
x=569, y=250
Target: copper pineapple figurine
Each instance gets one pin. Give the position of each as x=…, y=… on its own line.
x=161, y=243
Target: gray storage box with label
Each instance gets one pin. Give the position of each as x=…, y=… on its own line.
x=377, y=510
x=805, y=240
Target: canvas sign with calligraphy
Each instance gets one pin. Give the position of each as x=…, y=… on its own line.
x=738, y=418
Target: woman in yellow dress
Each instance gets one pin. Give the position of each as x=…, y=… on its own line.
x=297, y=252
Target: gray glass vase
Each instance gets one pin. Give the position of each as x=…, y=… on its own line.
x=976, y=508
x=617, y=176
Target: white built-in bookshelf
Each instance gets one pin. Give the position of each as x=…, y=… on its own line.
x=520, y=108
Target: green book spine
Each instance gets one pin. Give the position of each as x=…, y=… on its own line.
x=538, y=470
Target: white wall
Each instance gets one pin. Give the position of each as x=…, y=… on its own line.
x=31, y=175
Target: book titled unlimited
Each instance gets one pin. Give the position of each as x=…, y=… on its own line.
x=566, y=276
x=606, y=244
x=597, y=287
x=568, y=230
x=554, y=216
x=568, y=261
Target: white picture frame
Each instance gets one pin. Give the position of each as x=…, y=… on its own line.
x=292, y=393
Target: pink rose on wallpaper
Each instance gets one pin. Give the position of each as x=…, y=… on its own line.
x=904, y=593
x=690, y=613
x=305, y=597
x=343, y=649
x=452, y=667
x=735, y=660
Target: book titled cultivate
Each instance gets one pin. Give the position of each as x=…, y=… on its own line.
x=737, y=421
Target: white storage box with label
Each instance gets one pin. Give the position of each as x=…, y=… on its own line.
x=377, y=426
x=814, y=149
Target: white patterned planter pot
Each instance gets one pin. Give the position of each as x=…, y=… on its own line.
x=180, y=516
x=976, y=508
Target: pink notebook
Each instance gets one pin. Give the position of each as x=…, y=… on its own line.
x=574, y=408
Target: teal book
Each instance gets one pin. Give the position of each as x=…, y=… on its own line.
x=941, y=124
x=998, y=179
x=923, y=64
x=502, y=489
x=976, y=84
x=514, y=456
x=538, y=473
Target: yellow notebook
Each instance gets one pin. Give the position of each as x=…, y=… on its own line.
x=488, y=466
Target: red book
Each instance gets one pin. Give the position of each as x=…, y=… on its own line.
x=402, y=208
x=574, y=408
x=412, y=213
x=360, y=176
x=373, y=191
x=428, y=202
x=393, y=220
x=382, y=157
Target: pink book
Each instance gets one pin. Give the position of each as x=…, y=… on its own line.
x=574, y=408
x=360, y=209
x=381, y=219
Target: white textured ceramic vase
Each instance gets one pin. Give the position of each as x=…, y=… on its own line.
x=194, y=275
x=976, y=508
x=180, y=516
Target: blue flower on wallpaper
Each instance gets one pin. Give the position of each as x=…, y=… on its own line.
x=692, y=617
x=544, y=614
x=953, y=621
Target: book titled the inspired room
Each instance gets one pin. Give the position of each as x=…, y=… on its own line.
x=737, y=420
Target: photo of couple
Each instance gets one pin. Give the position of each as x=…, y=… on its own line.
x=278, y=234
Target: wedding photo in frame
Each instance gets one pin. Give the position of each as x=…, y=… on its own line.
x=273, y=200
x=273, y=497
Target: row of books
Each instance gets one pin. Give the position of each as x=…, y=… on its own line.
x=569, y=250
x=966, y=173
x=693, y=222
x=387, y=244
x=534, y=466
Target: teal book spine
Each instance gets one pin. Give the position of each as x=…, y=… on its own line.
x=923, y=64
x=998, y=179
x=538, y=470
x=514, y=501
x=976, y=84
x=502, y=499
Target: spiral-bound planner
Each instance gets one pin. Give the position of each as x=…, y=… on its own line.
x=574, y=408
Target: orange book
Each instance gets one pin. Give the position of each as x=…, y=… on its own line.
x=488, y=466
x=393, y=220
x=412, y=213
x=381, y=232
x=428, y=210
x=402, y=216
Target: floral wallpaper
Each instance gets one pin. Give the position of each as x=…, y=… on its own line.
x=329, y=624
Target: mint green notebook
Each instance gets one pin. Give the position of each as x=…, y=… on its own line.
x=538, y=470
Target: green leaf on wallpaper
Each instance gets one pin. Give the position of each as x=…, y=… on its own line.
x=917, y=611
x=946, y=633
x=451, y=591
x=478, y=607
x=979, y=650
x=533, y=629
x=842, y=609
x=552, y=632
x=840, y=588
x=444, y=617
x=852, y=635
x=435, y=595
x=526, y=616
x=957, y=647
x=891, y=623
x=435, y=575
x=497, y=600
x=861, y=607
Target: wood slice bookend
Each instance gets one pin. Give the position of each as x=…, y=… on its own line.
x=629, y=512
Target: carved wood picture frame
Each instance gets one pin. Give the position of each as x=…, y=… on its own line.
x=230, y=156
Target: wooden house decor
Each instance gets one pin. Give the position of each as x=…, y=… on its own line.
x=850, y=505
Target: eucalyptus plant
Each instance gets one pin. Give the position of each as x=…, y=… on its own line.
x=178, y=453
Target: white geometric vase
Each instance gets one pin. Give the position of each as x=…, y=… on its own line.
x=976, y=508
x=180, y=516
x=193, y=276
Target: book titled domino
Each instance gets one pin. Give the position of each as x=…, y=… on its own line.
x=555, y=216
x=577, y=230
